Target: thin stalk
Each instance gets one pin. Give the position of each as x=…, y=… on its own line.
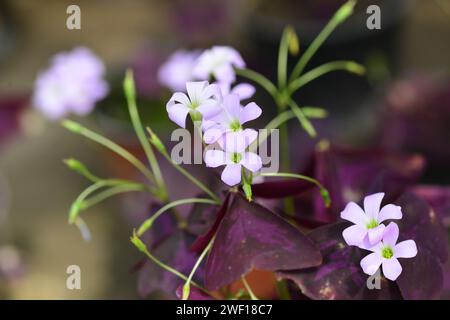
x=259, y=79
x=130, y=94
x=249, y=290
x=339, y=17
x=323, y=191
x=282, y=58
x=186, y=286
x=110, y=193
x=147, y=224
x=349, y=66
x=143, y=248
x=79, y=129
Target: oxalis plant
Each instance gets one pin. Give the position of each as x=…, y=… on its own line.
x=244, y=235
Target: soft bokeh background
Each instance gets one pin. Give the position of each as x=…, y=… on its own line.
x=36, y=189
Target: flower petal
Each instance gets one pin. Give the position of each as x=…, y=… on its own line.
x=391, y=268
x=405, y=249
x=251, y=161
x=232, y=106
x=244, y=90
x=390, y=234
x=224, y=73
x=215, y=158
x=212, y=134
x=390, y=211
x=195, y=89
x=178, y=113
x=376, y=234
x=209, y=108
x=354, y=235
x=237, y=141
x=371, y=263
x=250, y=112
x=231, y=175
x=180, y=97
x=372, y=204
x=354, y=213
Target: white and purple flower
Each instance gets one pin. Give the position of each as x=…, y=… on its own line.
x=368, y=229
x=73, y=84
x=218, y=62
x=387, y=252
x=202, y=102
x=233, y=161
x=227, y=125
x=178, y=69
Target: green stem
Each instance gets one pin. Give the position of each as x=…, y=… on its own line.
x=349, y=66
x=147, y=224
x=110, y=193
x=340, y=16
x=304, y=122
x=282, y=58
x=323, y=191
x=130, y=94
x=143, y=248
x=79, y=129
x=249, y=290
x=186, y=287
x=259, y=79
x=162, y=149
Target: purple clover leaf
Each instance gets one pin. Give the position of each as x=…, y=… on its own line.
x=252, y=237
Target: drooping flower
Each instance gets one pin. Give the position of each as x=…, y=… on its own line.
x=218, y=62
x=73, y=84
x=387, y=252
x=233, y=161
x=202, y=102
x=178, y=69
x=368, y=229
x=227, y=125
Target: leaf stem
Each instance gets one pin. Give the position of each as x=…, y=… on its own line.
x=147, y=224
x=186, y=286
x=249, y=290
x=259, y=79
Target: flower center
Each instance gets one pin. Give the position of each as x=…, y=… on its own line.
x=236, y=157
x=235, y=125
x=372, y=224
x=387, y=252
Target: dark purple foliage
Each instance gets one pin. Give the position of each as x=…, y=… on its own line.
x=174, y=251
x=341, y=277
x=438, y=198
x=252, y=237
x=349, y=175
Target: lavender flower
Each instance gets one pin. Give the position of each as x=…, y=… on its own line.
x=387, y=252
x=178, y=69
x=218, y=62
x=73, y=83
x=202, y=102
x=228, y=123
x=368, y=229
x=233, y=162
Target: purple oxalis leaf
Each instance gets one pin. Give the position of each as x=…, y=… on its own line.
x=340, y=276
x=252, y=237
x=438, y=198
x=280, y=188
x=349, y=175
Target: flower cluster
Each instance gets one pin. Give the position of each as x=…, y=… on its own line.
x=218, y=107
x=369, y=233
x=73, y=84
